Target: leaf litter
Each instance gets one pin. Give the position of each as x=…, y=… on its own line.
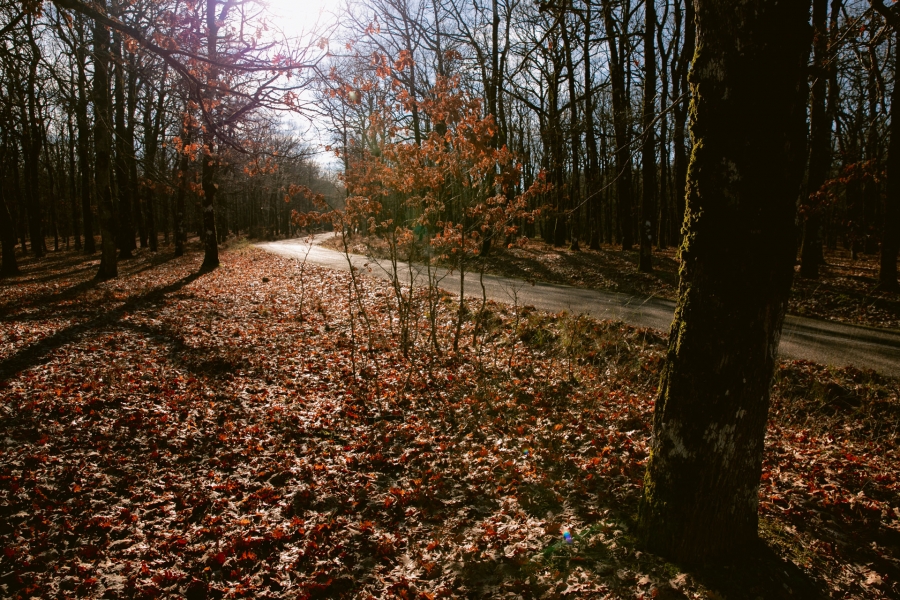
x=174, y=435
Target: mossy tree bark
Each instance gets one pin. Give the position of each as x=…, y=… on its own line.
x=748, y=126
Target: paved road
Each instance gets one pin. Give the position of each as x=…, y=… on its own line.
x=820, y=341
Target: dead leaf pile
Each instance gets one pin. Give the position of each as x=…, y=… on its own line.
x=169, y=434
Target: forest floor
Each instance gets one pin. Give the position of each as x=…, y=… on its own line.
x=844, y=292
x=238, y=434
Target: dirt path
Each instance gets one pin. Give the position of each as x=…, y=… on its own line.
x=824, y=342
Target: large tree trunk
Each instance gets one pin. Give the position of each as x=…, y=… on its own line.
x=749, y=131
x=103, y=150
x=648, y=151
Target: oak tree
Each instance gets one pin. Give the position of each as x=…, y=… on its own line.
x=748, y=125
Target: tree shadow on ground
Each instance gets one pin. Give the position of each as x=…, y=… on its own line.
x=71, y=266
x=759, y=573
x=38, y=352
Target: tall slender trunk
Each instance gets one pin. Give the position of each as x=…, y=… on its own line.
x=73, y=184
x=8, y=266
x=181, y=176
x=32, y=136
x=55, y=190
x=211, y=158
x=664, y=217
x=130, y=156
x=103, y=150
x=648, y=149
x=679, y=86
x=819, y=145
x=575, y=143
x=890, y=241
x=748, y=123
x=623, y=139
x=152, y=129
x=84, y=160
x=665, y=206
x=592, y=168
x=871, y=148
x=17, y=191
x=123, y=180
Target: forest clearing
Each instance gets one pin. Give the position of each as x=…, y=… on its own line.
x=216, y=436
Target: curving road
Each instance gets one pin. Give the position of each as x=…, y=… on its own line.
x=810, y=339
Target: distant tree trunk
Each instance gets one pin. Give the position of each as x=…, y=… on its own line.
x=17, y=192
x=55, y=190
x=872, y=147
x=181, y=176
x=890, y=240
x=73, y=184
x=84, y=160
x=9, y=266
x=123, y=180
x=679, y=86
x=555, y=151
x=574, y=202
x=664, y=216
x=592, y=167
x=103, y=150
x=648, y=150
x=819, y=145
x=620, y=126
x=32, y=138
x=748, y=124
x=152, y=129
x=665, y=206
x=210, y=158
x=130, y=156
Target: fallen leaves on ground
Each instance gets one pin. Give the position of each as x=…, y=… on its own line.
x=237, y=434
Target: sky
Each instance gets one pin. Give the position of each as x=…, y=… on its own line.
x=296, y=18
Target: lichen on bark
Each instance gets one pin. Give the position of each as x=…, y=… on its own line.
x=748, y=126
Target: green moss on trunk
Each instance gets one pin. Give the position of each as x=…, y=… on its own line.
x=748, y=125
